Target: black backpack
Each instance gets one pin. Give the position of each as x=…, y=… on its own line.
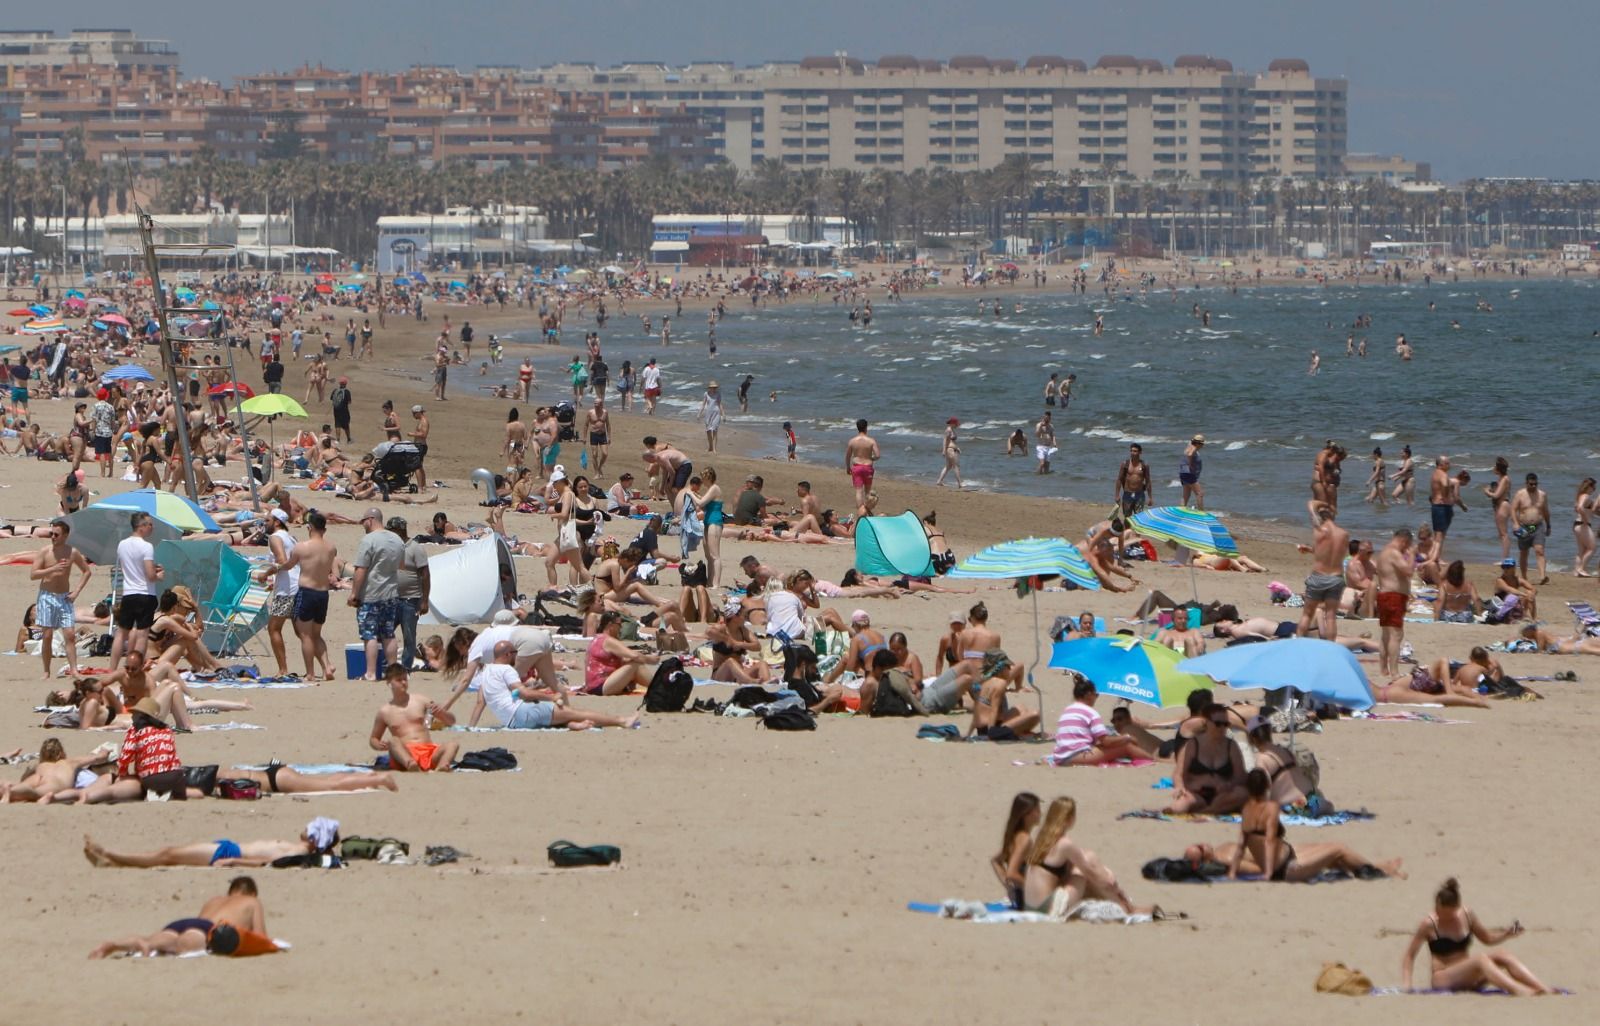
x=670, y=688
x=888, y=701
x=560, y=623
x=792, y=718
x=487, y=761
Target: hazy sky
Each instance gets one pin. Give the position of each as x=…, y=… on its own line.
x=1477, y=87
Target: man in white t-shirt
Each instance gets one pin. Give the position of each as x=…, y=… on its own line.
x=136, y=561
x=285, y=585
x=650, y=378
x=1082, y=737
x=526, y=708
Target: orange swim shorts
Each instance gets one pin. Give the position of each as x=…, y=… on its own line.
x=423, y=752
x=1392, y=608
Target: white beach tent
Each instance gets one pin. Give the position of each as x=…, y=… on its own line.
x=465, y=583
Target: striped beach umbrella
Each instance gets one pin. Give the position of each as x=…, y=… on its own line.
x=1030, y=557
x=44, y=326
x=168, y=507
x=97, y=529
x=1192, y=528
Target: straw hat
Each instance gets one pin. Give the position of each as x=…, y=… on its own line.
x=712, y=383
x=150, y=707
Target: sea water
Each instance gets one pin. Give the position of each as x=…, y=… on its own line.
x=1517, y=382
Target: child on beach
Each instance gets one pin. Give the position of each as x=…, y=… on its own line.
x=788, y=432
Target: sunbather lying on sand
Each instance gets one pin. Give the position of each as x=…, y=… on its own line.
x=1549, y=644
x=240, y=908
x=318, y=838
x=54, y=773
x=1438, y=684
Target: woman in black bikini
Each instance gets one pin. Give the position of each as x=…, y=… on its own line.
x=1057, y=864
x=1449, y=933
x=1264, y=847
x=280, y=779
x=1209, y=775
x=586, y=515
x=1010, y=865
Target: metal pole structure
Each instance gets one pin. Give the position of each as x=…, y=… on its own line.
x=244, y=432
x=168, y=358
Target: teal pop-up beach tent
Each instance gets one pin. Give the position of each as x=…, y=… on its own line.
x=232, y=606
x=893, y=546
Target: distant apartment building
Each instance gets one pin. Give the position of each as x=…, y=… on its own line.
x=41, y=48
x=1391, y=168
x=1197, y=119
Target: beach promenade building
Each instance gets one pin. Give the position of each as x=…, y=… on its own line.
x=1197, y=119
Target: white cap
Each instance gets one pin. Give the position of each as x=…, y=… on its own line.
x=558, y=474
x=280, y=515
x=504, y=617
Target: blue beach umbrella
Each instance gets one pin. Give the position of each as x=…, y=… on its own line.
x=40, y=310
x=1325, y=670
x=1031, y=558
x=127, y=372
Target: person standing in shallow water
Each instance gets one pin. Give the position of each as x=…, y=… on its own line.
x=952, y=453
x=1189, y=474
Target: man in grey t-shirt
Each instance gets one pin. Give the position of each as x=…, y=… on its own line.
x=414, y=587
x=375, y=590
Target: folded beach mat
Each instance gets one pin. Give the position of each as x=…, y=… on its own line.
x=1287, y=819
x=893, y=546
x=998, y=912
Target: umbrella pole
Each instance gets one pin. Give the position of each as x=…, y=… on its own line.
x=244, y=432
x=1037, y=648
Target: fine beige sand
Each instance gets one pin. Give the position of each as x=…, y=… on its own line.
x=766, y=874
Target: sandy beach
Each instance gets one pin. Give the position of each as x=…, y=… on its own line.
x=766, y=875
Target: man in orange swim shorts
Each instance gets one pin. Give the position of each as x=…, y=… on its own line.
x=405, y=718
x=1394, y=566
x=861, y=455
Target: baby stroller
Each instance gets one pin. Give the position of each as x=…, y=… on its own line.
x=566, y=417
x=397, y=465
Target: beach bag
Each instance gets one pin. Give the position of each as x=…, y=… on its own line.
x=790, y=718
x=353, y=849
x=202, y=778
x=889, y=701
x=567, y=537
x=63, y=719
x=238, y=790
x=487, y=761
x=1306, y=760
x=101, y=646
x=697, y=577
x=669, y=689
x=1338, y=978
x=566, y=854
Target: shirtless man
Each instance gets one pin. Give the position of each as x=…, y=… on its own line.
x=318, y=838
x=54, y=609
x=1044, y=442
x=597, y=429
x=137, y=679
x=405, y=718
x=1530, y=513
x=1134, y=489
x=545, y=432
x=1443, y=498
x=861, y=455
x=55, y=774
x=316, y=558
x=419, y=436
x=240, y=908
x=670, y=465
x=515, y=447
x=996, y=674
x=1360, y=582
x=1325, y=587
x=1394, y=565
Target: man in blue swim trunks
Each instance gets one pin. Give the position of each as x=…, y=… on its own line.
x=1443, y=497
x=315, y=557
x=319, y=837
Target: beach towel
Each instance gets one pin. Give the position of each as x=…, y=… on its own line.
x=461, y=728
x=254, y=949
x=1287, y=819
x=242, y=684
x=1000, y=912
x=1488, y=992
x=1047, y=760
x=1401, y=716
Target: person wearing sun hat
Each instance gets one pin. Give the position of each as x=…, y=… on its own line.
x=952, y=452
x=711, y=413
x=1189, y=473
